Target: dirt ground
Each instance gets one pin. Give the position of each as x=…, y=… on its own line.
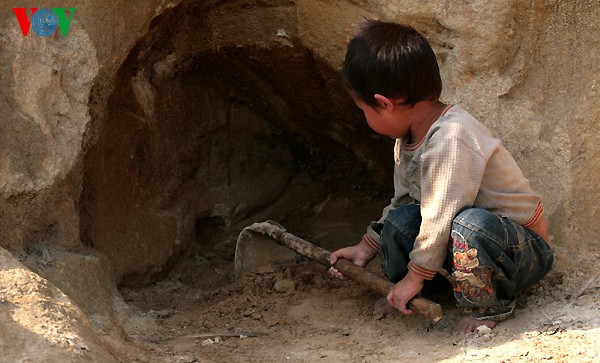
x=296, y=312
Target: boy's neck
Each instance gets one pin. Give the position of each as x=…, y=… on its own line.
x=425, y=113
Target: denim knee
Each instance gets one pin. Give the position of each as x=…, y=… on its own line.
x=484, y=223
x=397, y=239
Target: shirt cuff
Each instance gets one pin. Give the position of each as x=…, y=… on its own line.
x=371, y=242
x=421, y=271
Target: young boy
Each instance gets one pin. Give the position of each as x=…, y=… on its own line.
x=461, y=202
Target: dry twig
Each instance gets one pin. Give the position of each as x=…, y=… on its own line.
x=220, y=335
x=585, y=286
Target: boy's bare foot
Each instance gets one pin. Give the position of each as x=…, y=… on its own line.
x=468, y=325
x=383, y=307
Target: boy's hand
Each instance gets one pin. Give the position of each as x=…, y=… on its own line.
x=404, y=290
x=360, y=254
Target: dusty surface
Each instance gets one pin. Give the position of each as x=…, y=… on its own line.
x=297, y=313
x=293, y=312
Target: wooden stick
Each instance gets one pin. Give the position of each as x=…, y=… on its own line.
x=359, y=274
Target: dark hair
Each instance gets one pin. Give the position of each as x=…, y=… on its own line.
x=393, y=60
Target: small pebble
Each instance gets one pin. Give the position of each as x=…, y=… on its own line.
x=206, y=342
x=484, y=329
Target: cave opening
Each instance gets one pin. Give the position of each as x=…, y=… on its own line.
x=208, y=130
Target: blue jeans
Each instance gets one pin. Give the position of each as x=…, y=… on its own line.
x=490, y=257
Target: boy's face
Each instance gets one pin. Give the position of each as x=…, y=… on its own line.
x=388, y=121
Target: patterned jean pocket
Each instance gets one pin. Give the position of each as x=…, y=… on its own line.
x=493, y=258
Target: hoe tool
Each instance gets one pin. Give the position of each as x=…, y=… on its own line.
x=245, y=258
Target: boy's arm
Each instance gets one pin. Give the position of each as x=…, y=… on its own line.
x=360, y=254
x=368, y=247
x=451, y=173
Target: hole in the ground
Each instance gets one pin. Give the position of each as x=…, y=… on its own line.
x=207, y=131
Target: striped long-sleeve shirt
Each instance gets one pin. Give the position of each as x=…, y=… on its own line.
x=457, y=164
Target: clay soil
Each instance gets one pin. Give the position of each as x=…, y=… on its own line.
x=296, y=312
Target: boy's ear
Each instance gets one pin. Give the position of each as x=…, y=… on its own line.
x=384, y=102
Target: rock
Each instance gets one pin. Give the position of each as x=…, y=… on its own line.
x=484, y=330
x=271, y=320
x=39, y=321
x=284, y=286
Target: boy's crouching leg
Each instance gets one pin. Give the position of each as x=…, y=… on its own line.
x=486, y=270
x=398, y=235
x=400, y=229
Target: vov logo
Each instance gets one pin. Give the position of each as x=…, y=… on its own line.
x=45, y=21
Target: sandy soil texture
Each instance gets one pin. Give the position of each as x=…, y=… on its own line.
x=298, y=313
